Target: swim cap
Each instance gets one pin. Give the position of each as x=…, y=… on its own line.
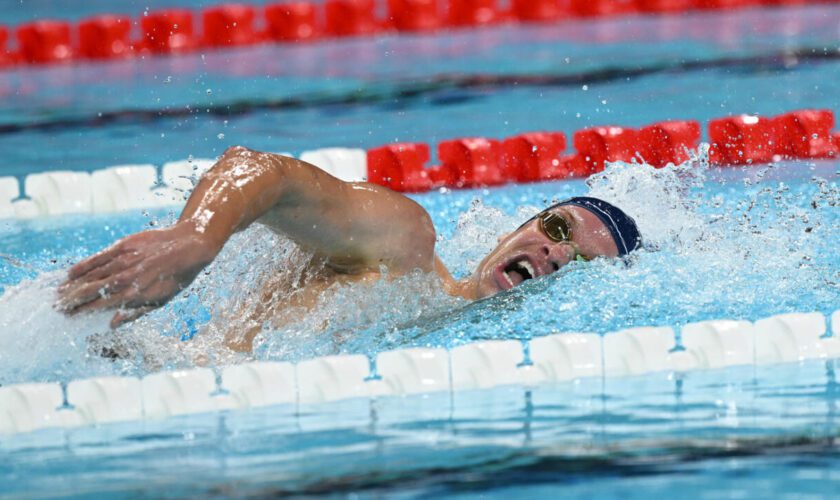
x=622, y=227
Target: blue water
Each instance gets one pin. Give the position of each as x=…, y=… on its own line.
x=765, y=432
x=367, y=92
x=732, y=243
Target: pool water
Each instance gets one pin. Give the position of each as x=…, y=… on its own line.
x=765, y=431
x=738, y=243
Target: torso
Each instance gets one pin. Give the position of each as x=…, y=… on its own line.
x=278, y=307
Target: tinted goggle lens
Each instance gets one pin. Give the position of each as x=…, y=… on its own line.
x=555, y=227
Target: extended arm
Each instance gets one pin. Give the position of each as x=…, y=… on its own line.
x=354, y=226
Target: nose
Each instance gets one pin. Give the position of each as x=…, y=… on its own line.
x=557, y=255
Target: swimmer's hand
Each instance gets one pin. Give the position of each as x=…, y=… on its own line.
x=137, y=274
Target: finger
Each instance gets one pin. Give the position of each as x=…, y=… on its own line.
x=130, y=294
x=97, y=274
x=94, y=261
x=83, y=294
x=154, y=294
x=124, y=316
x=118, y=264
x=76, y=295
x=103, y=302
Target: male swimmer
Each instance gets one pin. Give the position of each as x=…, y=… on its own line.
x=353, y=228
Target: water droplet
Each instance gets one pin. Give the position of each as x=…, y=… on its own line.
x=221, y=136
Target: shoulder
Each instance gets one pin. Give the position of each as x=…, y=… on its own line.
x=404, y=228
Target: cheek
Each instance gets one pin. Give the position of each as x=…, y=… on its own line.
x=570, y=253
x=564, y=256
x=597, y=245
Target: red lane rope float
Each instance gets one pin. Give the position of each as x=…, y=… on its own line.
x=6, y=59
x=665, y=6
x=105, y=37
x=666, y=142
x=230, y=25
x=536, y=10
x=539, y=156
x=601, y=8
x=168, y=31
x=292, y=22
x=414, y=15
x=173, y=31
x=534, y=156
x=474, y=13
x=44, y=42
x=350, y=18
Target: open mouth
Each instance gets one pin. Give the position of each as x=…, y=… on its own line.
x=517, y=272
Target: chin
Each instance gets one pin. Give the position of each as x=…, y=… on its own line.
x=487, y=287
x=485, y=283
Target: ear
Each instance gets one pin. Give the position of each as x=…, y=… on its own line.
x=502, y=237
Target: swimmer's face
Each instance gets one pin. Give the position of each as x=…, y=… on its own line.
x=529, y=253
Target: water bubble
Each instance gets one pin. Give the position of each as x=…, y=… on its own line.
x=220, y=136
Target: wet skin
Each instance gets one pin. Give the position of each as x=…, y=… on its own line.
x=540, y=255
x=354, y=228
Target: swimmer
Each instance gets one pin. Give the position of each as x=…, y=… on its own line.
x=353, y=229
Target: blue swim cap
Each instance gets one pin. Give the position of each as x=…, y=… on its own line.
x=622, y=227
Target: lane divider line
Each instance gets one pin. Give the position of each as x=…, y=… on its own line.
x=739, y=140
x=114, y=36
x=405, y=373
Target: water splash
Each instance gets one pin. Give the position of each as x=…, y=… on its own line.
x=477, y=232
x=663, y=202
x=39, y=343
x=718, y=244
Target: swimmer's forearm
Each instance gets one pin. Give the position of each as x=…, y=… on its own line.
x=242, y=186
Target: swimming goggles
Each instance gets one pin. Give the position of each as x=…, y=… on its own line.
x=557, y=228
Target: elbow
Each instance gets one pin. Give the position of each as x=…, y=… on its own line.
x=423, y=240
x=241, y=154
x=236, y=152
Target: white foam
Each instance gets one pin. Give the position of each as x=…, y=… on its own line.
x=658, y=199
x=40, y=343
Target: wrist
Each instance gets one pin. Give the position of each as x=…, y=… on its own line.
x=205, y=241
